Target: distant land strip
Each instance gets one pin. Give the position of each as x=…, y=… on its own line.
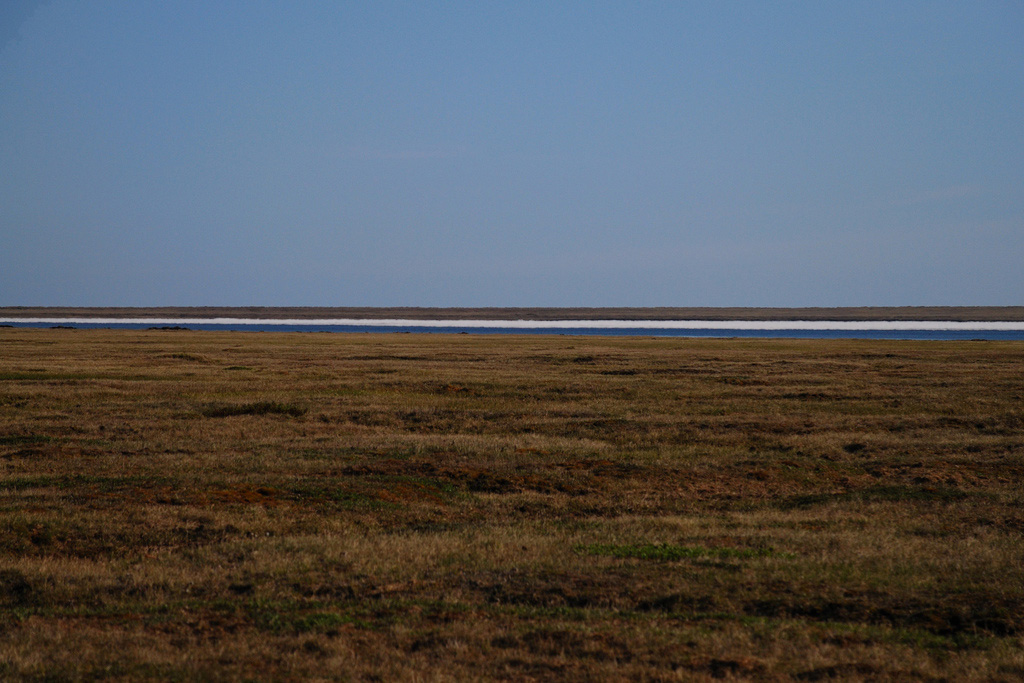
x=909, y=313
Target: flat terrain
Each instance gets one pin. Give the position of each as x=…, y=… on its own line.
x=960, y=313
x=180, y=505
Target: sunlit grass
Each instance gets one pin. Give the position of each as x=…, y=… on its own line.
x=233, y=505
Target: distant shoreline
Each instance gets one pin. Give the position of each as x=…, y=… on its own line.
x=888, y=313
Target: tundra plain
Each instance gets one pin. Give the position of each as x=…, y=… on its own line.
x=182, y=505
x=904, y=313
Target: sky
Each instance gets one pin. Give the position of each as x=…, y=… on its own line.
x=478, y=153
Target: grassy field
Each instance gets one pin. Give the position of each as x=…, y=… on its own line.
x=226, y=505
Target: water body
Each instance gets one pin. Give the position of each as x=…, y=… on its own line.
x=794, y=329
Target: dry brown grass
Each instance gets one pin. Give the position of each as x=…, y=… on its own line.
x=182, y=505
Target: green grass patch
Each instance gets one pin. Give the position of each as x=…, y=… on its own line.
x=327, y=622
x=289, y=617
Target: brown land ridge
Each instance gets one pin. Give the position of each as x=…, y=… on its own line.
x=910, y=313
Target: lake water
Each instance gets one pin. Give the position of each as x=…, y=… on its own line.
x=796, y=329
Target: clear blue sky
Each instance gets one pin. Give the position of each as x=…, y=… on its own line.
x=478, y=153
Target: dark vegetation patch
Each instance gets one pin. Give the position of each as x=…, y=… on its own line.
x=68, y=377
x=246, y=494
x=669, y=552
x=576, y=477
x=963, y=615
x=37, y=537
x=554, y=589
x=853, y=671
x=879, y=494
x=13, y=401
x=24, y=439
x=338, y=496
x=679, y=603
x=287, y=617
x=30, y=482
x=554, y=642
x=257, y=408
x=42, y=375
x=193, y=357
x=16, y=590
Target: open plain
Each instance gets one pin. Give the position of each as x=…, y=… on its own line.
x=228, y=505
x=904, y=313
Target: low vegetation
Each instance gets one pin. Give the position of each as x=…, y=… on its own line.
x=224, y=505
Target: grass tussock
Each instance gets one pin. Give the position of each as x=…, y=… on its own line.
x=177, y=505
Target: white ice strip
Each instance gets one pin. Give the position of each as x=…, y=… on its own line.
x=865, y=325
